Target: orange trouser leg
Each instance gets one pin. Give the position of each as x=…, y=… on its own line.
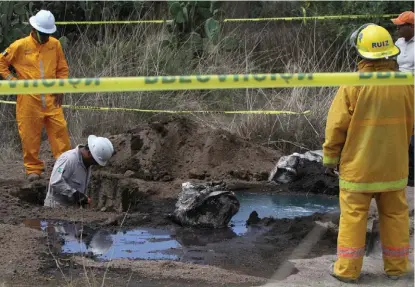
x=354, y=209
x=30, y=124
x=394, y=231
x=57, y=131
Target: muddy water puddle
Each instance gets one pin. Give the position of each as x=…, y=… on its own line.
x=140, y=243
x=280, y=206
x=176, y=243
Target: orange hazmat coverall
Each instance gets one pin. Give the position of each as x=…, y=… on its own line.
x=368, y=133
x=32, y=60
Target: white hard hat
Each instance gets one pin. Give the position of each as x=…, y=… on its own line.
x=44, y=22
x=101, y=149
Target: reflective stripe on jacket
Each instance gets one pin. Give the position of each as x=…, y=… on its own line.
x=68, y=176
x=368, y=133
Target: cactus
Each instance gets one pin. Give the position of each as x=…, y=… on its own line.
x=214, y=5
x=219, y=15
x=12, y=16
x=195, y=30
x=177, y=12
x=204, y=12
x=204, y=4
x=195, y=23
x=64, y=42
x=19, y=8
x=212, y=29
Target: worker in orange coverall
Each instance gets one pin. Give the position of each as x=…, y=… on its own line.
x=367, y=136
x=38, y=56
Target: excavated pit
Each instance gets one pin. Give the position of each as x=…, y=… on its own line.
x=155, y=158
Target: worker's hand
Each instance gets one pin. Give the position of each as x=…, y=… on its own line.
x=81, y=199
x=331, y=172
x=58, y=100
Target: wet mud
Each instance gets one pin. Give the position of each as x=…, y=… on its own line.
x=269, y=241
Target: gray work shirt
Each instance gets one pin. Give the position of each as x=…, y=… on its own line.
x=69, y=175
x=406, y=58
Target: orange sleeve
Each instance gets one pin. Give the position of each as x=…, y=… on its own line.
x=62, y=70
x=7, y=58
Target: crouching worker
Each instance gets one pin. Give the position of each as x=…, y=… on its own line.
x=71, y=172
x=367, y=134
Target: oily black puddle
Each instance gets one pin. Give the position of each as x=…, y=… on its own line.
x=174, y=242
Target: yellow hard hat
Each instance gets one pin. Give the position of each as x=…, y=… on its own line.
x=374, y=42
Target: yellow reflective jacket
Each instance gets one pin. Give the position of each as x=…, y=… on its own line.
x=368, y=132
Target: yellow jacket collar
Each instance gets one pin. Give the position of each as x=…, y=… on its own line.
x=377, y=66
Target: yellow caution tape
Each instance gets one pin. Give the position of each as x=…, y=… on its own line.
x=257, y=112
x=327, y=17
x=203, y=82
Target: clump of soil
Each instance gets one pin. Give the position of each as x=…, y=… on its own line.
x=179, y=148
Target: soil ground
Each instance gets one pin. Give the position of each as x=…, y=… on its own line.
x=140, y=188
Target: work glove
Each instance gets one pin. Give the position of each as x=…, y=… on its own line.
x=81, y=199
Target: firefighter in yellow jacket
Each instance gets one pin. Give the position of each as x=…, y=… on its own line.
x=38, y=56
x=367, y=135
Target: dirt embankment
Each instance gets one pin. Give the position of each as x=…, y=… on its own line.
x=153, y=160
x=178, y=148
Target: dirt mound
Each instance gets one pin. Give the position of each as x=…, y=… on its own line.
x=179, y=148
x=153, y=160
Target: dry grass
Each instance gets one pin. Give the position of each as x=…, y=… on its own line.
x=134, y=50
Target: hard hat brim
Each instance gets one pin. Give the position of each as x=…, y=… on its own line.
x=380, y=55
x=91, y=141
x=397, y=21
x=32, y=21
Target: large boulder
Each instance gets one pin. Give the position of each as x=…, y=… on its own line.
x=205, y=205
x=304, y=173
